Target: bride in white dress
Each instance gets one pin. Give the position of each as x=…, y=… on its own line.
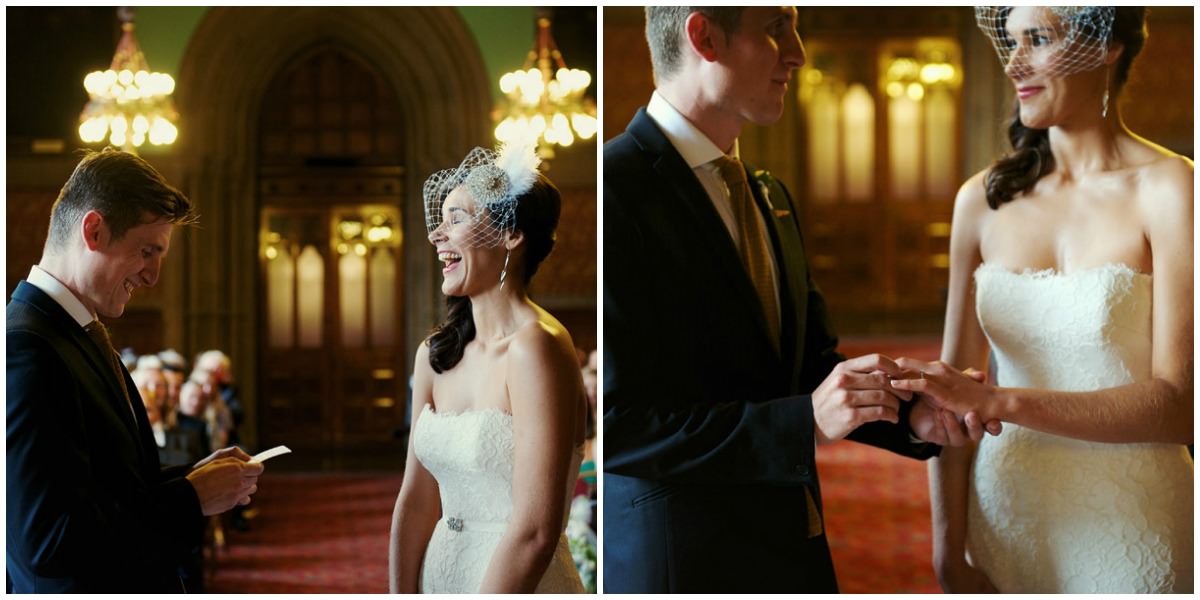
x=497, y=396
x=1072, y=258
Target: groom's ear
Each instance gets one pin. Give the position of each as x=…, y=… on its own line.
x=703, y=36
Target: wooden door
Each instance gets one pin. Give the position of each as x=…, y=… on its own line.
x=882, y=130
x=332, y=378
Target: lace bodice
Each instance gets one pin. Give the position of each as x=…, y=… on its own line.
x=1082, y=331
x=1052, y=514
x=470, y=454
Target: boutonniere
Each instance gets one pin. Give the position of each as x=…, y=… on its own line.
x=765, y=180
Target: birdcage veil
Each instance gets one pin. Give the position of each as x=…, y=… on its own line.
x=494, y=180
x=1072, y=38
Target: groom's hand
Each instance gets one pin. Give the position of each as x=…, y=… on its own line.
x=224, y=482
x=857, y=391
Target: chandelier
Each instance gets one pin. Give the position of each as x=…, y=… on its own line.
x=130, y=104
x=545, y=104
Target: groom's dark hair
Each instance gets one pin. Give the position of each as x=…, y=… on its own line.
x=664, y=32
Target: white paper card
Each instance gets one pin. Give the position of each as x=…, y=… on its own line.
x=272, y=453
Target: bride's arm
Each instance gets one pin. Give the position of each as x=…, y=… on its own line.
x=545, y=386
x=963, y=345
x=418, y=506
x=1158, y=409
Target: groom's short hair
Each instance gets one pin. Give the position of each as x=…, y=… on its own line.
x=664, y=32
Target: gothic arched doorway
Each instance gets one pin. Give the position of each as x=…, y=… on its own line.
x=429, y=63
x=331, y=275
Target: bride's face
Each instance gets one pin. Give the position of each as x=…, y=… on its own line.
x=468, y=267
x=1040, y=65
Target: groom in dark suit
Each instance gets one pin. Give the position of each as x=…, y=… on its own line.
x=89, y=509
x=721, y=372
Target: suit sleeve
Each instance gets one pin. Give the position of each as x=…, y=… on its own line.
x=821, y=356
x=59, y=517
x=651, y=432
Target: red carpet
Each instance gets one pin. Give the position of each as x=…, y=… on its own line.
x=877, y=503
x=312, y=534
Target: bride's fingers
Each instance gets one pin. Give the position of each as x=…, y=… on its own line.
x=954, y=432
x=978, y=376
x=974, y=426
x=994, y=427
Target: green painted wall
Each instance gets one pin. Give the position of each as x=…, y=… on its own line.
x=504, y=35
x=164, y=32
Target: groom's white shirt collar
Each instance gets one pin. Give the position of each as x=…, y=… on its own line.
x=695, y=147
x=60, y=294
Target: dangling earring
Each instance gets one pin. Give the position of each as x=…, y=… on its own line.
x=504, y=269
x=1104, y=113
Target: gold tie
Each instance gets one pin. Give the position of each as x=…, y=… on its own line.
x=753, y=245
x=99, y=334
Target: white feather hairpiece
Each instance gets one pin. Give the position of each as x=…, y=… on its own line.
x=519, y=160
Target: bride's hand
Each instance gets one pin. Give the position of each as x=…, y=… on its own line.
x=950, y=389
x=962, y=578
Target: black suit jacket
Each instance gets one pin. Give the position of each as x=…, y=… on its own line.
x=89, y=508
x=708, y=432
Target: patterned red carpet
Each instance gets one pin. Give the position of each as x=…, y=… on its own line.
x=312, y=534
x=877, y=503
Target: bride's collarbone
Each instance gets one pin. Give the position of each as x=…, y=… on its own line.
x=477, y=382
x=1038, y=233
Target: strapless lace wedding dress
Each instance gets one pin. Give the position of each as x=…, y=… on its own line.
x=470, y=454
x=1051, y=514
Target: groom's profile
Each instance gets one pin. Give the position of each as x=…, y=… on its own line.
x=89, y=507
x=721, y=370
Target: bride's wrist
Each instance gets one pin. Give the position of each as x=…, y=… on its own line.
x=1003, y=404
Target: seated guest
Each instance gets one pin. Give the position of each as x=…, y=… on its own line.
x=152, y=386
x=216, y=414
x=191, y=414
x=218, y=363
x=175, y=369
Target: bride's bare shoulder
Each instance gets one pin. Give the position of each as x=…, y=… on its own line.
x=971, y=205
x=543, y=340
x=1166, y=191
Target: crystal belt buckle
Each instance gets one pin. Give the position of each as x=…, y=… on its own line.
x=454, y=523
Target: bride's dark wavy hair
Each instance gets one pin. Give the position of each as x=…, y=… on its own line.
x=537, y=215
x=1030, y=160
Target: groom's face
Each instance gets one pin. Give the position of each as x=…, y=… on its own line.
x=756, y=63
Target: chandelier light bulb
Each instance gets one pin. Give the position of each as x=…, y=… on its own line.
x=545, y=98
x=128, y=102
x=584, y=125
x=162, y=132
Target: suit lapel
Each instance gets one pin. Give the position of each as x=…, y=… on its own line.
x=713, y=242
x=75, y=334
x=783, y=227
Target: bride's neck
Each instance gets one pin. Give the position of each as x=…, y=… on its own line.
x=498, y=312
x=1088, y=148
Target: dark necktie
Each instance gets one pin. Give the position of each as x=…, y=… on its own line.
x=99, y=334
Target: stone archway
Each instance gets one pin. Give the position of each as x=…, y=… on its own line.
x=432, y=62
